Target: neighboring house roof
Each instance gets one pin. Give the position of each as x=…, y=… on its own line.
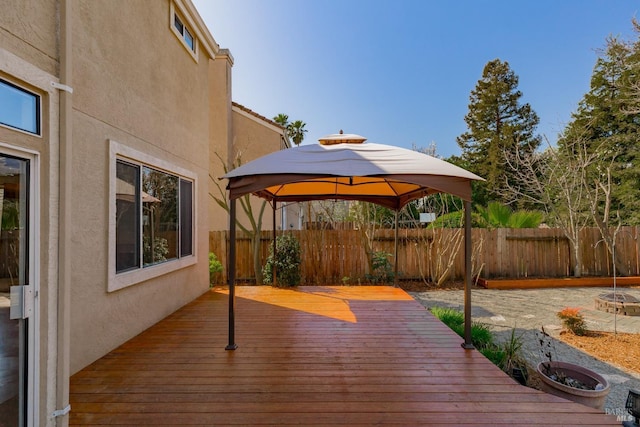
x=276, y=127
x=257, y=116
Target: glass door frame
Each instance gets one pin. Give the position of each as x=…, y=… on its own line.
x=29, y=385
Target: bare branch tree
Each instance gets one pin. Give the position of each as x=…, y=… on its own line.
x=554, y=180
x=254, y=230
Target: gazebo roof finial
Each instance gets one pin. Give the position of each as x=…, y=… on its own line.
x=342, y=138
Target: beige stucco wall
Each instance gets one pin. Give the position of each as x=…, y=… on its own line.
x=133, y=83
x=28, y=58
x=251, y=137
x=254, y=138
x=237, y=135
x=136, y=84
x=28, y=29
x=221, y=135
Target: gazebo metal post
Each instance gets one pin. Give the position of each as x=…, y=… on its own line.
x=467, y=276
x=231, y=269
x=395, y=255
x=273, y=265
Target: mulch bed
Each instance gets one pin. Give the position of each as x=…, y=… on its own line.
x=620, y=349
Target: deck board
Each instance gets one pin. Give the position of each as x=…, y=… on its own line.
x=311, y=356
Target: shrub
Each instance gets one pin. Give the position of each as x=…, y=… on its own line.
x=512, y=352
x=448, y=316
x=481, y=336
x=215, y=267
x=495, y=354
x=506, y=355
x=449, y=220
x=381, y=268
x=287, y=262
x=573, y=320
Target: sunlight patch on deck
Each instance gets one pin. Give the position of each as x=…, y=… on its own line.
x=327, y=301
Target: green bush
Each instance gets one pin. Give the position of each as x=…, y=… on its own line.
x=507, y=355
x=495, y=354
x=448, y=316
x=513, y=352
x=449, y=220
x=573, y=320
x=215, y=267
x=381, y=268
x=481, y=336
x=287, y=262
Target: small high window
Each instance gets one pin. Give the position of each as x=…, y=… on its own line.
x=184, y=32
x=19, y=108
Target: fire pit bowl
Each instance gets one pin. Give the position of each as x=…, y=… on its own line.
x=619, y=303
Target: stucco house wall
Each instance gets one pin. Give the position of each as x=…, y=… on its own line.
x=136, y=92
x=221, y=136
x=140, y=93
x=251, y=135
x=29, y=59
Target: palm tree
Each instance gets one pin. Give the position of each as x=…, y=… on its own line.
x=498, y=215
x=296, y=131
x=282, y=120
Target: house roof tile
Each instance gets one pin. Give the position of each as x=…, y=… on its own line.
x=253, y=113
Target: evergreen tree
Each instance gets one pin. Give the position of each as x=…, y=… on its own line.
x=498, y=124
x=608, y=119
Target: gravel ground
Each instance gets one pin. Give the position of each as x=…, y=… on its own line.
x=529, y=310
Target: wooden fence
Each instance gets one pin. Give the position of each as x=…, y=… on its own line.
x=339, y=256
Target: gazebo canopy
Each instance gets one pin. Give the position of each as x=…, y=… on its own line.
x=343, y=167
x=387, y=175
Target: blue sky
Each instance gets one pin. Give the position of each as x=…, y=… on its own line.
x=401, y=72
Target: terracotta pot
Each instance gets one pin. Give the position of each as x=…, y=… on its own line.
x=593, y=398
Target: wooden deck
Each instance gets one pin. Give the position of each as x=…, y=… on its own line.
x=313, y=356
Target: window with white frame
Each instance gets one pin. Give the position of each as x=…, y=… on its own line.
x=182, y=31
x=19, y=108
x=154, y=216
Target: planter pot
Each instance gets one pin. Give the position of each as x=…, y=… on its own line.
x=593, y=398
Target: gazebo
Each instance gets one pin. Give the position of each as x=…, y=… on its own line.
x=344, y=167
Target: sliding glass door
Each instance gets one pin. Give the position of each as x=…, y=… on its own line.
x=15, y=293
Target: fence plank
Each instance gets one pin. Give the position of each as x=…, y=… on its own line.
x=339, y=256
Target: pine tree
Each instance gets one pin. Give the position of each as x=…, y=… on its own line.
x=608, y=118
x=497, y=124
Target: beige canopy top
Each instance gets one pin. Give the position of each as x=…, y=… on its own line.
x=343, y=169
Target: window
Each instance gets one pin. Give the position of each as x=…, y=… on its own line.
x=154, y=216
x=184, y=33
x=19, y=108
